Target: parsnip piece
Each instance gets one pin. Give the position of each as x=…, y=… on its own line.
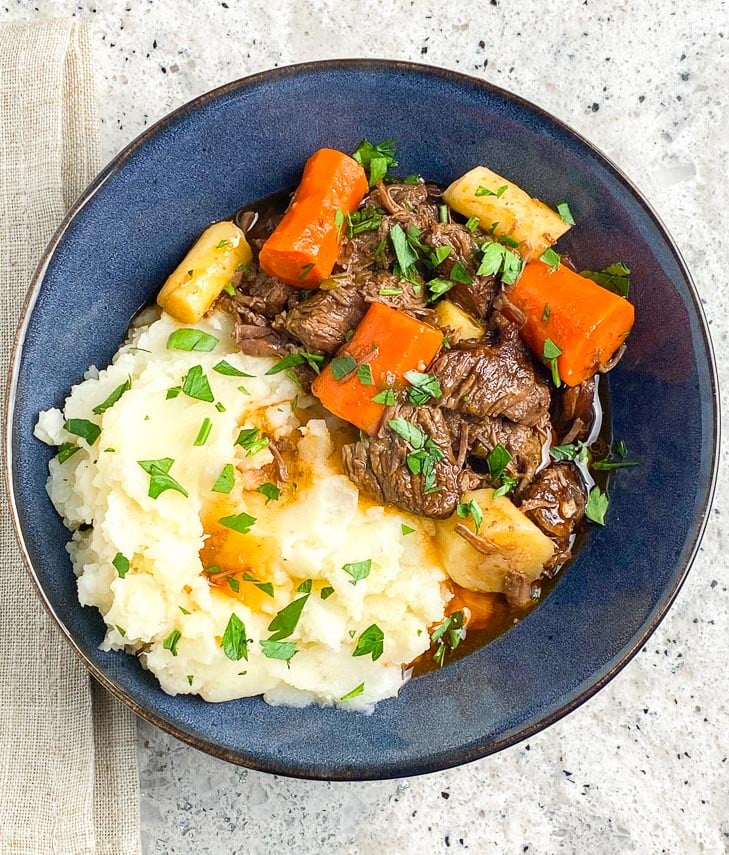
x=528, y=221
x=452, y=317
x=202, y=274
x=518, y=545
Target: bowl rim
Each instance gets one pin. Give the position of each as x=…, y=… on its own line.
x=436, y=762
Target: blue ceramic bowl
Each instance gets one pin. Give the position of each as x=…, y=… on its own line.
x=249, y=139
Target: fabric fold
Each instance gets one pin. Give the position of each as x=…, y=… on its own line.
x=68, y=769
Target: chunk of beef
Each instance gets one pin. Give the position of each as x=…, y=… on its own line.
x=263, y=294
x=555, y=501
x=258, y=339
x=394, y=291
x=573, y=411
x=492, y=380
x=358, y=251
x=378, y=465
x=459, y=240
x=480, y=436
x=322, y=322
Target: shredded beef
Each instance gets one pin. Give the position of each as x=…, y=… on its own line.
x=323, y=321
x=573, y=411
x=484, y=380
x=378, y=465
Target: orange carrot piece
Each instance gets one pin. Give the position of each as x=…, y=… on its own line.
x=304, y=246
x=390, y=343
x=588, y=323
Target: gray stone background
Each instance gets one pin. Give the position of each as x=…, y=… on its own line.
x=643, y=766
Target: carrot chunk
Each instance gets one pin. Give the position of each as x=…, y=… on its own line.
x=385, y=345
x=586, y=322
x=304, y=246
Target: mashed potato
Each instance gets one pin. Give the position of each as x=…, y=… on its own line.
x=188, y=582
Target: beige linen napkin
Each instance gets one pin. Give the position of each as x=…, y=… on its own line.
x=68, y=771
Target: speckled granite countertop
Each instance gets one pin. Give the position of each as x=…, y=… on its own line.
x=643, y=766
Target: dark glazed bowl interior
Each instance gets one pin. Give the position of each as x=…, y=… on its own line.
x=251, y=138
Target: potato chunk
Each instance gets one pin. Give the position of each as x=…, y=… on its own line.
x=510, y=212
x=512, y=543
x=209, y=265
x=451, y=317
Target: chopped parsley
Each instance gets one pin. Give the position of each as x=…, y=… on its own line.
x=241, y=523
x=221, y=244
x=284, y=650
x=196, y=385
x=406, y=529
x=358, y=570
x=551, y=259
x=190, y=338
x=386, y=397
x=546, y=313
x=614, y=277
x=224, y=367
x=484, y=191
x=229, y=289
x=460, y=274
x=597, y=505
x=498, y=459
x=448, y=635
x=364, y=375
x=234, y=641
x=366, y=219
x=305, y=587
x=376, y=159
x=576, y=451
x=472, y=223
x=159, y=478
x=313, y=360
x=251, y=440
x=113, y=398
x=423, y=387
x=66, y=450
x=326, y=592
x=425, y=454
x=339, y=222
x=370, y=642
x=306, y=270
x=226, y=480
x=284, y=622
x=354, y=693
x=341, y=366
x=507, y=485
x=405, y=254
x=563, y=209
x=170, y=643
x=121, y=563
x=498, y=260
x=471, y=509
x=173, y=392
x=551, y=354
x=438, y=287
x=266, y=587
x=270, y=491
x=204, y=432
x=234, y=584
x=84, y=428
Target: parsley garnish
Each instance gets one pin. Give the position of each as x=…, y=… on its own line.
x=354, y=693
x=472, y=223
x=376, y=158
x=159, y=478
x=234, y=641
x=225, y=481
x=614, y=277
x=507, y=485
x=497, y=259
x=191, y=339
x=196, y=385
x=251, y=440
x=113, y=398
x=170, y=643
x=266, y=587
x=305, y=587
x=285, y=650
x=386, y=397
x=364, y=220
x=484, y=191
x=342, y=365
x=234, y=584
x=339, y=222
x=326, y=592
x=471, y=509
x=546, y=313
x=229, y=289
x=204, y=432
x=443, y=213
x=173, y=392
x=405, y=254
x=84, y=428
x=410, y=433
x=222, y=244
x=448, y=634
x=66, y=450
x=313, y=360
x=229, y=370
x=597, y=505
x=438, y=287
x=439, y=255
x=364, y=375
x=460, y=274
x=358, y=570
x=422, y=460
x=563, y=209
x=241, y=523
x=270, y=491
x=551, y=353
x=498, y=459
x=121, y=563
x=371, y=641
x=285, y=621
x=576, y=451
x=423, y=387
x=551, y=259
x=405, y=529
x=306, y=270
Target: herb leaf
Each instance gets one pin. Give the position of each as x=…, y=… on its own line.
x=159, y=478
x=266, y=587
x=371, y=641
x=551, y=259
x=448, y=634
x=226, y=480
x=608, y=465
x=66, y=450
x=497, y=259
x=563, y=209
x=405, y=254
x=383, y=155
x=224, y=367
x=121, y=563
x=354, y=693
x=291, y=360
x=597, y=505
x=406, y=529
x=234, y=641
x=285, y=650
x=423, y=387
x=358, y=570
x=326, y=592
x=113, y=398
x=614, y=277
x=551, y=353
x=498, y=459
x=84, y=428
x=342, y=365
x=471, y=509
x=460, y=274
x=170, y=643
x=251, y=440
x=196, y=385
x=386, y=397
x=410, y=433
x=285, y=621
x=507, y=485
x=241, y=523
x=364, y=375
x=270, y=491
x=204, y=432
x=191, y=339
